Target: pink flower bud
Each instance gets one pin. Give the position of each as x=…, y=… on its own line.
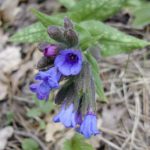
x=50, y=51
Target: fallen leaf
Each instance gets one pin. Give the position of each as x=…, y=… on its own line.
x=4, y=38
x=3, y=90
x=10, y=59
x=5, y=133
x=112, y=115
x=20, y=75
x=9, y=10
x=51, y=129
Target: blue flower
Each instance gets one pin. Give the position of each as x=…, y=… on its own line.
x=89, y=125
x=48, y=80
x=67, y=116
x=69, y=62
x=51, y=77
x=41, y=89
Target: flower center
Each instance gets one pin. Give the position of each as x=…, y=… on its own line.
x=72, y=58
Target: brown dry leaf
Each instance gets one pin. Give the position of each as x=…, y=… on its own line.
x=10, y=59
x=51, y=129
x=4, y=38
x=20, y=76
x=9, y=9
x=5, y=133
x=3, y=90
x=112, y=115
x=67, y=136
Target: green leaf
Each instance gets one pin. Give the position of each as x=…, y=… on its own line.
x=77, y=143
x=33, y=33
x=140, y=11
x=95, y=9
x=48, y=20
x=29, y=144
x=112, y=41
x=133, y=3
x=85, y=37
x=141, y=15
x=68, y=3
x=86, y=40
x=10, y=117
x=42, y=124
x=95, y=70
x=46, y=106
x=41, y=107
x=34, y=112
x=88, y=9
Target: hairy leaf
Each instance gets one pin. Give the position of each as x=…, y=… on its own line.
x=83, y=10
x=77, y=143
x=33, y=33
x=68, y=3
x=95, y=70
x=141, y=15
x=48, y=20
x=112, y=41
x=95, y=9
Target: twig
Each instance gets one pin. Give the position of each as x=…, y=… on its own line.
x=109, y=143
x=137, y=118
x=21, y=99
x=126, y=142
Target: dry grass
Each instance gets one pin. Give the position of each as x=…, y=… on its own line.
x=127, y=80
x=124, y=121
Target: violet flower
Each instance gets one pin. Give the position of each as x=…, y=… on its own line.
x=69, y=62
x=41, y=89
x=48, y=80
x=89, y=125
x=51, y=77
x=67, y=116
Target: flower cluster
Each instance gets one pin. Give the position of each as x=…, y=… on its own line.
x=77, y=95
x=67, y=62
x=71, y=118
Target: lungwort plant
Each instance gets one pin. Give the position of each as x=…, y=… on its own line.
x=66, y=41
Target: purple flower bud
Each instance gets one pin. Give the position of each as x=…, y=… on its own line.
x=71, y=37
x=69, y=62
x=89, y=125
x=56, y=33
x=67, y=23
x=50, y=51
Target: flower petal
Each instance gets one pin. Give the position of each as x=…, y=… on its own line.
x=34, y=86
x=59, y=60
x=75, y=69
x=65, y=69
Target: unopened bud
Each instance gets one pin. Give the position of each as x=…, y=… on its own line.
x=56, y=33
x=42, y=46
x=67, y=23
x=71, y=37
x=44, y=62
x=50, y=51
